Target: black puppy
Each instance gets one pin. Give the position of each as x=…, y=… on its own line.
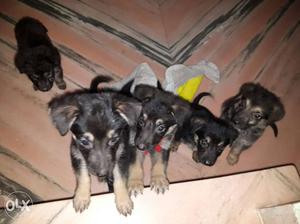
x=206, y=134
x=36, y=56
x=250, y=112
x=100, y=125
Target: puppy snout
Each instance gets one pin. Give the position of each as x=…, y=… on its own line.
x=44, y=86
x=208, y=163
x=236, y=121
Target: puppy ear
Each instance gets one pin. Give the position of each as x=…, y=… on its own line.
x=62, y=114
x=277, y=113
x=275, y=129
x=130, y=111
x=197, y=123
x=248, y=87
x=144, y=92
x=179, y=112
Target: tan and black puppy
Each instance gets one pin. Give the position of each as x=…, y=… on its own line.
x=250, y=111
x=162, y=115
x=100, y=124
x=206, y=134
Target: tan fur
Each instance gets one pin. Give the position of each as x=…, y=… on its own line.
x=110, y=133
x=81, y=199
x=123, y=201
x=159, y=182
x=136, y=175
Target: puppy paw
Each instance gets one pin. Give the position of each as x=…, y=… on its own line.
x=62, y=85
x=124, y=205
x=232, y=159
x=159, y=184
x=135, y=186
x=174, y=146
x=81, y=200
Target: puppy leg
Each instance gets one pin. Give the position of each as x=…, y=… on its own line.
x=58, y=77
x=136, y=175
x=174, y=146
x=159, y=181
x=233, y=156
x=82, y=194
x=123, y=202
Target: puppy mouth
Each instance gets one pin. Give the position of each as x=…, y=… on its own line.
x=205, y=162
x=43, y=87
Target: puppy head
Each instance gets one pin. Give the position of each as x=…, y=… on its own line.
x=39, y=68
x=96, y=122
x=155, y=122
x=255, y=106
x=210, y=136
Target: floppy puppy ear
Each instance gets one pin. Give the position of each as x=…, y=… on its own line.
x=62, y=115
x=277, y=113
x=197, y=123
x=130, y=111
x=275, y=129
x=143, y=92
x=248, y=87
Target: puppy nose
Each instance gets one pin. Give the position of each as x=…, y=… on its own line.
x=141, y=146
x=236, y=121
x=208, y=163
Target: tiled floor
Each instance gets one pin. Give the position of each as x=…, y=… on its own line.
x=248, y=40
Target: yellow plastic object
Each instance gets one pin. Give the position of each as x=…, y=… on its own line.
x=189, y=88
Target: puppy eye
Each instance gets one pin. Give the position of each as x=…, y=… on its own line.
x=221, y=144
x=146, y=100
x=84, y=142
x=161, y=128
x=203, y=143
x=113, y=141
x=141, y=122
x=257, y=116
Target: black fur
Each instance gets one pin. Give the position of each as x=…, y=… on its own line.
x=100, y=125
x=250, y=112
x=36, y=56
x=206, y=134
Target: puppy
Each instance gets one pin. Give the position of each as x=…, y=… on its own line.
x=250, y=112
x=162, y=114
x=36, y=56
x=100, y=126
x=205, y=134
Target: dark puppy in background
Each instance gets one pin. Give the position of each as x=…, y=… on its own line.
x=205, y=134
x=36, y=56
x=100, y=125
x=250, y=111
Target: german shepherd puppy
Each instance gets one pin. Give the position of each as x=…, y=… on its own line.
x=250, y=112
x=206, y=134
x=36, y=55
x=162, y=114
x=100, y=124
